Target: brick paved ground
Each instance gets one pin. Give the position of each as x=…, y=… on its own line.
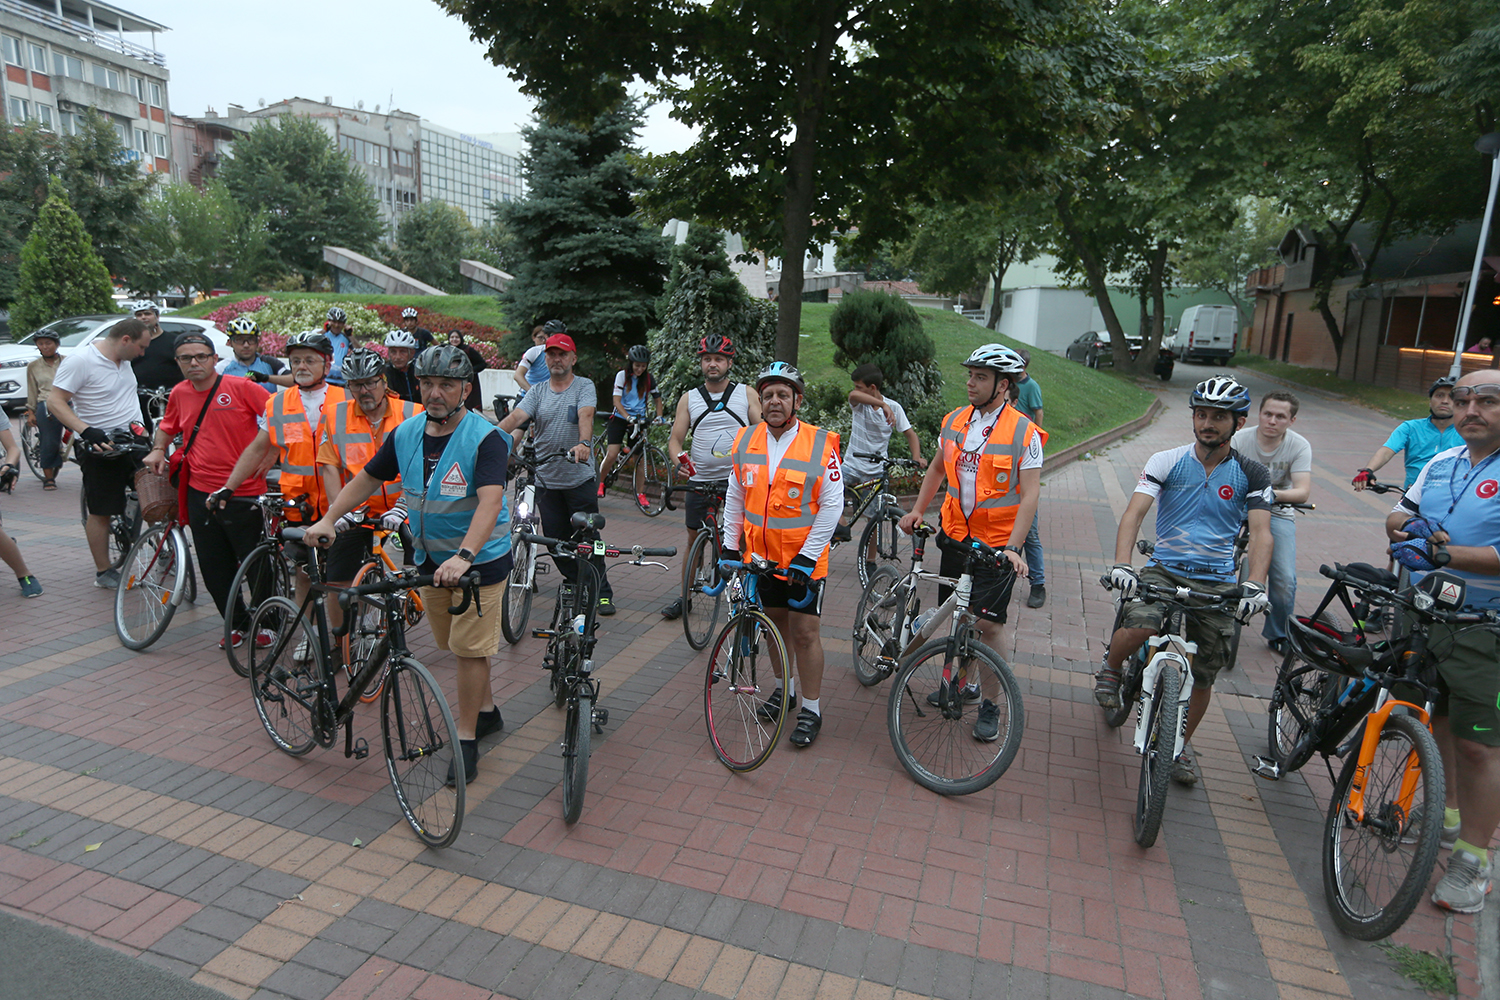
x=826, y=873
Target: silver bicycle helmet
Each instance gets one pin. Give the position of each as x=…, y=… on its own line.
x=337, y=315
x=363, y=363
x=996, y=357
x=780, y=371
x=443, y=361
x=400, y=338
x=1222, y=393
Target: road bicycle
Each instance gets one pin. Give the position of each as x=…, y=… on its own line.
x=874, y=498
x=943, y=690
x=1160, y=687
x=888, y=622
x=520, y=585
x=298, y=702
x=649, y=472
x=268, y=571
x=702, y=598
x=1242, y=571
x=570, y=647
x=366, y=636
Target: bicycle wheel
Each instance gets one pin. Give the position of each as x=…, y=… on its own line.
x=367, y=640
x=937, y=744
x=747, y=658
x=889, y=544
x=1130, y=688
x=1371, y=876
x=650, y=480
x=262, y=574
x=601, y=447
x=420, y=741
x=31, y=447
x=190, y=589
x=578, y=729
x=1242, y=566
x=876, y=617
x=1157, y=759
x=700, y=612
x=285, y=691
x=151, y=582
x=516, y=607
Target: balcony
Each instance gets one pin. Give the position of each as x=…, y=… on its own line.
x=84, y=32
x=82, y=95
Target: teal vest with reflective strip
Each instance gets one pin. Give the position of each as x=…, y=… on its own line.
x=439, y=516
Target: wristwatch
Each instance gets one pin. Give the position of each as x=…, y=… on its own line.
x=1016, y=549
x=465, y=555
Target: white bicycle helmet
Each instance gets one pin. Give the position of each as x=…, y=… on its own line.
x=1221, y=392
x=400, y=338
x=410, y=312
x=996, y=357
x=337, y=315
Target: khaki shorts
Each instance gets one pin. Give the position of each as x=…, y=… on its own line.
x=1469, y=670
x=1212, y=631
x=466, y=634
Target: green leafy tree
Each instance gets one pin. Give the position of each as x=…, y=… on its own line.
x=431, y=239
x=585, y=256
x=61, y=275
x=197, y=240
x=878, y=264
x=313, y=195
x=1222, y=257
x=958, y=249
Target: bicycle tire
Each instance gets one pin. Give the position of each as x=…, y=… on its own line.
x=882, y=532
x=578, y=730
x=265, y=558
x=1368, y=904
x=700, y=612
x=877, y=618
x=1241, y=570
x=31, y=447
x=650, y=480
x=1157, y=759
x=286, y=692
x=937, y=747
x=152, y=576
x=368, y=637
x=1130, y=688
x=516, y=608
x=735, y=685
x=601, y=448
x=420, y=741
x=190, y=588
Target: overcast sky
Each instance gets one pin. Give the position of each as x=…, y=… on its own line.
x=350, y=51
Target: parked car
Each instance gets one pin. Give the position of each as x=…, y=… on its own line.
x=80, y=331
x=1093, y=349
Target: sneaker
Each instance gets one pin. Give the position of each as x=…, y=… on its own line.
x=601, y=491
x=841, y=533
x=987, y=726
x=809, y=723
x=469, y=751
x=673, y=610
x=30, y=586
x=303, y=652
x=606, y=607
x=1107, y=688
x=1464, y=885
x=642, y=500
x=1038, y=596
x=1185, y=768
x=107, y=580
x=770, y=709
x=1414, y=823
x=1277, y=646
x=489, y=722
x=264, y=638
x=236, y=639
x=970, y=694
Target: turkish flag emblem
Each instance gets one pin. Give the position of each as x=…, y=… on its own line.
x=1487, y=489
x=1226, y=492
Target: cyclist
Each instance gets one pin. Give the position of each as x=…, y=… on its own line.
x=1028, y=399
x=336, y=329
x=39, y=375
x=157, y=367
x=400, y=350
x=532, y=368
x=477, y=363
x=874, y=417
x=1206, y=490
x=784, y=501
x=1419, y=439
x=992, y=464
x=452, y=462
x=248, y=362
x=423, y=337
x=10, y=471
x=1456, y=501
x=634, y=392
x=712, y=414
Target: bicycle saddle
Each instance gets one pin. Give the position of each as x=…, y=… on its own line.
x=1325, y=647
x=1372, y=574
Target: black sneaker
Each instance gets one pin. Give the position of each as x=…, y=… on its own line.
x=673, y=610
x=606, y=606
x=1038, y=596
x=489, y=722
x=809, y=723
x=469, y=750
x=970, y=695
x=987, y=726
x=770, y=709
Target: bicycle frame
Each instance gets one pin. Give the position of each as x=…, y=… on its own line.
x=1172, y=652
x=1410, y=776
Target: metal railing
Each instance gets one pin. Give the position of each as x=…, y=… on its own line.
x=114, y=43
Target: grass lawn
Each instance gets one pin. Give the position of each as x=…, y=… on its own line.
x=476, y=308
x=1391, y=402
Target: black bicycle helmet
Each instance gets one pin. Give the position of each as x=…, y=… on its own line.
x=716, y=343
x=313, y=340
x=1322, y=645
x=443, y=361
x=337, y=315
x=1446, y=382
x=641, y=353
x=363, y=363
x=554, y=326
x=1221, y=393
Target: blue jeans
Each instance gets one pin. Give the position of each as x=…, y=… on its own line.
x=1282, y=584
x=1033, y=550
x=49, y=430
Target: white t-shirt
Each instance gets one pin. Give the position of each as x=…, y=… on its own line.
x=869, y=434
x=1294, y=454
x=103, y=391
x=980, y=426
x=312, y=404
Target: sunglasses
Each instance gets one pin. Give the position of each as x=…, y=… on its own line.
x=1463, y=392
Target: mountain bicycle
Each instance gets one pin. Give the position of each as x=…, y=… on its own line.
x=702, y=601
x=520, y=586
x=268, y=571
x=1242, y=571
x=367, y=637
x=881, y=536
x=649, y=472
x=935, y=736
x=888, y=622
x=298, y=702
x=570, y=647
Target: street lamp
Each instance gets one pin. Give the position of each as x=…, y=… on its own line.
x=1489, y=145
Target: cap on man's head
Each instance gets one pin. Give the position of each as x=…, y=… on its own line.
x=560, y=341
x=183, y=339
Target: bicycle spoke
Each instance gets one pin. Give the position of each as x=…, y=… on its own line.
x=420, y=742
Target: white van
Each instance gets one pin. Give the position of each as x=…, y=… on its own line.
x=1207, y=333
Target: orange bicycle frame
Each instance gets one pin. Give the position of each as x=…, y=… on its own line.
x=1374, y=723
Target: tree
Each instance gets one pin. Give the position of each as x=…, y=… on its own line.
x=1221, y=258
x=431, y=239
x=197, y=240
x=61, y=275
x=959, y=248
x=312, y=193
x=586, y=257
x=878, y=264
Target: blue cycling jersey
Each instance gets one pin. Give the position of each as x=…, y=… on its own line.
x=1419, y=440
x=1198, y=512
x=1464, y=498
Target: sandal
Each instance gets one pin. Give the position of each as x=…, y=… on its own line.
x=50, y=483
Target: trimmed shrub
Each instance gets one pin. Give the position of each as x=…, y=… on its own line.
x=61, y=275
x=880, y=328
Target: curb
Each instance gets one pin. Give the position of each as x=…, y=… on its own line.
x=1054, y=463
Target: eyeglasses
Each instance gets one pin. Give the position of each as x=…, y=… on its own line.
x=1463, y=392
x=193, y=359
x=363, y=384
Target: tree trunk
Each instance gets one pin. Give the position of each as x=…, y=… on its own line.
x=1094, y=271
x=1005, y=253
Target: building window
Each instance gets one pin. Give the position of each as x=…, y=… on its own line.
x=138, y=86
x=66, y=65
x=18, y=110
x=123, y=134
x=161, y=144
x=140, y=142
x=12, y=48
x=156, y=95
x=44, y=115
x=106, y=78
x=38, y=57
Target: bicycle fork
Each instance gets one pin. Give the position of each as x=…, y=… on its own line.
x=1163, y=659
x=1411, y=772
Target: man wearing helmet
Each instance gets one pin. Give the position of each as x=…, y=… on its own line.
x=712, y=414
x=156, y=368
x=1419, y=439
x=991, y=460
x=783, y=504
x=634, y=392
x=451, y=463
x=423, y=337
x=336, y=329
x=400, y=350
x=248, y=362
x=1206, y=490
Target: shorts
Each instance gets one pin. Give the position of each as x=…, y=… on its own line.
x=696, y=507
x=777, y=593
x=990, y=599
x=615, y=429
x=347, y=554
x=1469, y=682
x=466, y=634
x=105, y=481
x=1213, y=631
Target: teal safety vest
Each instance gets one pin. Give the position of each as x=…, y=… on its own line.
x=439, y=515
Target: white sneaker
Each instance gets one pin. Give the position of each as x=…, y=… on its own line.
x=303, y=652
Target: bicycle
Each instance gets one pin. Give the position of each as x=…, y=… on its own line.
x=926, y=715
x=367, y=636
x=123, y=528
x=520, y=586
x=31, y=448
x=1384, y=823
x=570, y=648
x=1242, y=571
x=881, y=534
x=649, y=470
x=156, y=575
x=299, y=705
x=266, y=572
x=1160, y=687
x=887, y=620
x=701, y=602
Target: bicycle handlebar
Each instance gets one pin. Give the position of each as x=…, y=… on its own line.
x=560, y=546
x=409, y=579
x=756, y=566
x=1153, y=593
x=1340, y=574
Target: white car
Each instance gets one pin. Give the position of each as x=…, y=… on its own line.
x=80, y=331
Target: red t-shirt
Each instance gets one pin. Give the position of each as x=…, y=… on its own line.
x=231, y=423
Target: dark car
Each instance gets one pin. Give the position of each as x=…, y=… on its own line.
x=1093, y=349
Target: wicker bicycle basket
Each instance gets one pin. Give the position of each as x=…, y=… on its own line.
x=157, y=495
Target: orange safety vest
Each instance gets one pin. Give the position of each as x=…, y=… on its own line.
x=779, y=514
x=286, y=423
x=998, y=475
x=355, y=442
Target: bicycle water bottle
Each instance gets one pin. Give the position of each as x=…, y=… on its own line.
x=578, y=624
x=686, y=461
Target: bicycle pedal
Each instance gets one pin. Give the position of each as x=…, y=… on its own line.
x=361, y=749
x=1266, y=768
x=542, y=633
x=601, y=719
x=542, y=567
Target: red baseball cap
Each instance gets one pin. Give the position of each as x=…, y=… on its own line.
x=562, y=342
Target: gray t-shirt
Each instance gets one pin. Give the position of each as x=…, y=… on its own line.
x=869, y=434
x=555, y=415
x=1293, y=455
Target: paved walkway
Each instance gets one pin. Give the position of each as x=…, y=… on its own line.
x=142, y=806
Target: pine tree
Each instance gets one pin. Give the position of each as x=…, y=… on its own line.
x=61, y=275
